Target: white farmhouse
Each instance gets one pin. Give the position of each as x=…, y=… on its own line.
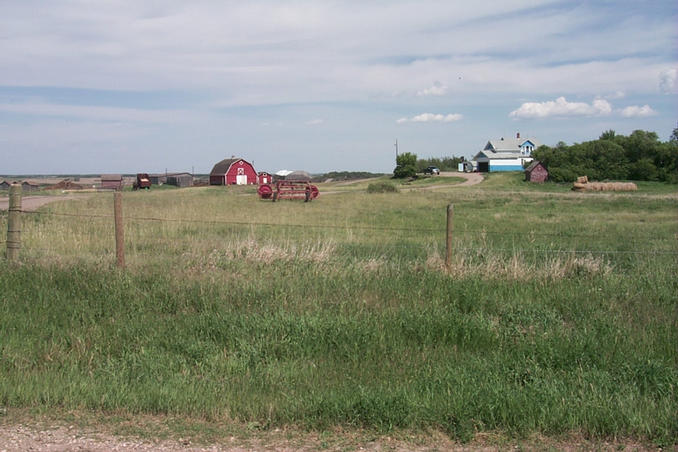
x=505, y=154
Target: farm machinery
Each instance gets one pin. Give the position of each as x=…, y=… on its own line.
x=288, y=189
x=142, y=182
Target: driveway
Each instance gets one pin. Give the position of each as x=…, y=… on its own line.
x=471, y=178
x=31, y=203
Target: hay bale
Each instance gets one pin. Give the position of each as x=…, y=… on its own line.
x=605, y=186
x=583, y=180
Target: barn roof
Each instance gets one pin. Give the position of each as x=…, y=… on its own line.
x=223, y=166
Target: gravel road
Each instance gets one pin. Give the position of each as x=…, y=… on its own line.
x=30, y=203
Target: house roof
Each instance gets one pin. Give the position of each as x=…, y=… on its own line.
x=509, y=144
x=489, y=154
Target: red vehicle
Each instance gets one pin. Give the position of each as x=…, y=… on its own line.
x=143, y=181
x=288, y=189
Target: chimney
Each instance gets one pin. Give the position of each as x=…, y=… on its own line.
x=518, y=135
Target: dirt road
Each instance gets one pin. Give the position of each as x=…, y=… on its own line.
x=471, y=178
x=31, y=203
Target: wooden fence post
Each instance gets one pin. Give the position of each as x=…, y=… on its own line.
x=450, y=228
x=119, y=232
x=14, y=223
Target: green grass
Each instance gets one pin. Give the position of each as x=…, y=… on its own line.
x=339, y=312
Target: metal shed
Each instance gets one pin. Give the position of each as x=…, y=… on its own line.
x=180, y=179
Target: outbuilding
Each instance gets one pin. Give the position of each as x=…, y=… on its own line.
x=180, y=179
x=265, y=178
x=111, y=181
x=536, y=172
x=233, y=171
x=29, y=186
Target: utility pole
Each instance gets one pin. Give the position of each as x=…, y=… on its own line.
x=396, y=146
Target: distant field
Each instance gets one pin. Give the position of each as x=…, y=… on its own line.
x=559, y=313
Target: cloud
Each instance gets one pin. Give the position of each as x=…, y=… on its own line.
x=667, y=81
x=430, y=117
x=561, y=107
x=619, y=94
x=96, y=113
x=315, y=122
x=438, y=89
x=635, y=111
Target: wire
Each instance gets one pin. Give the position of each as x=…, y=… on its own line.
x=330, y=226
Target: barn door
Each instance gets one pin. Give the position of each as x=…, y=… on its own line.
x=241, y=177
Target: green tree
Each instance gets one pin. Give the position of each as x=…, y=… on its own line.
x=406, y=165
x=639, y=156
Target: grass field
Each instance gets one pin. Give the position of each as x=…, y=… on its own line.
x=559, y=313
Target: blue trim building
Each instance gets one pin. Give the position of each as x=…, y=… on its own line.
x=505, y=155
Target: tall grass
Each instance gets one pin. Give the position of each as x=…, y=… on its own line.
x=355, y=323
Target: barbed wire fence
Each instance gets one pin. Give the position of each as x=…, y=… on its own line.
x=409, y=231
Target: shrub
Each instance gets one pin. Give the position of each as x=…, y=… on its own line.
x=382, y=187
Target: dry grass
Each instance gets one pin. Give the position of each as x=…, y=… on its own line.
x=516, y=268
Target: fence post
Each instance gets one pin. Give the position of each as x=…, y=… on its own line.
x=14, y=223
x=450, y=228
x=119, y=233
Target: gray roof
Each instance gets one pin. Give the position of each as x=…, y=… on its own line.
x=111, y=177
x=223, y=166
x=509, y=144
x=499, y=155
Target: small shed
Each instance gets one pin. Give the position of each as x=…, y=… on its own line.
x=158, y=179
x=29, y=186
x=265, y=178
x=180, y=179
x=4, y=185
x=536, y=172
x=233, y=171
x=111, y=181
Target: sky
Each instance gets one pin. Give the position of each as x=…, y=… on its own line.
x=90, y=87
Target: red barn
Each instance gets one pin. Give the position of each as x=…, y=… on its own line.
x=233, y=171
x=536, y=172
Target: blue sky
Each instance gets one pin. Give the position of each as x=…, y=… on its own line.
x=129, y=86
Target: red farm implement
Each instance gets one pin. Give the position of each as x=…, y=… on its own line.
x=288, y=189
x=142, y=182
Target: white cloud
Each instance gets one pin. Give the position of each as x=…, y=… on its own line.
x=315, y=122
x=619, y=94
x=667, y=81
x=561, y=107
x=438, y=89
x=430, y=117
x=634, y=111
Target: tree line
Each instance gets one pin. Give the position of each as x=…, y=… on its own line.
x=640, y=156
x=408, y=164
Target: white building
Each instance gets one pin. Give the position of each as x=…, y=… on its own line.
x=505, y=154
